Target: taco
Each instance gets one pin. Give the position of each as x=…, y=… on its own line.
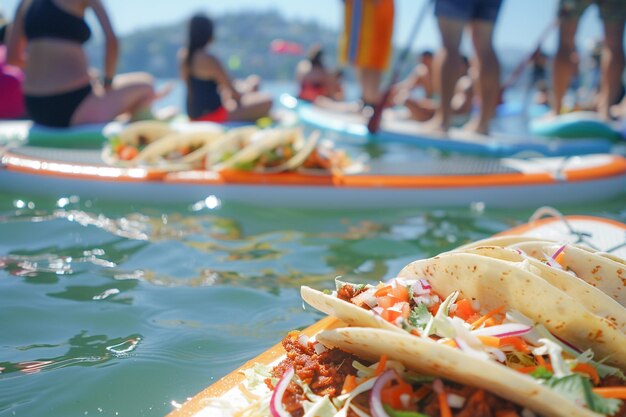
x=602, y=270
x=607, y=274
x=354, y=372
x=272, y=150
x=541, y=392
x=233, y=141
x=156, y=144
x=594, y=299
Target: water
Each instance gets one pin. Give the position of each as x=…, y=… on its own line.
x=123, y=309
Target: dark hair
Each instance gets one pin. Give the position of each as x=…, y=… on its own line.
x=315, y=55
x=200, y=33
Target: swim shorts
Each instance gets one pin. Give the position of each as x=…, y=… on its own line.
x=368, y=28
x=610, y=10
x=467, y=10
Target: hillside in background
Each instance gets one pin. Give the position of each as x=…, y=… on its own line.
x=242, y=42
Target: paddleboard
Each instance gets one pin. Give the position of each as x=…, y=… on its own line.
x=399, y=181
x=84, y=137
x=601, y=233
x=399, y=129
x=582, y=124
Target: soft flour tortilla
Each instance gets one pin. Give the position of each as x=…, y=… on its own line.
x=268, y=139
x=231, y=143
x=604, y=271
x=600, y=271
x=494, y=283
x=593, y=298
x=426, y=356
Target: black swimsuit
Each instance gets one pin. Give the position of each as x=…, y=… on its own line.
x=44, y=19
x=202, y=97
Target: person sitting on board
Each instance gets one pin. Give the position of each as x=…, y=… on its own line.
x=312, y=76
x=421, y=77
x=366, y=44
x=452, y=17
x=205, y=77
x=612, y=62
x=47, y=39
x=11, y=79
x=423, y=109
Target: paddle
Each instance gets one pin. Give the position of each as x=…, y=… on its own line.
x=519, y=70
x=374, y=122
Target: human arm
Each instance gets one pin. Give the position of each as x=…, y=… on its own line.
x=111, y=51
x=214, y=67
x=16, y=40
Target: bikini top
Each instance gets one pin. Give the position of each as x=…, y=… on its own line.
x=44, y=19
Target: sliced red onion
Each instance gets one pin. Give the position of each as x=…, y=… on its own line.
x=568, y=344
x=558, y=252
x=425, y=284
x=503, y=330
x=276, y=403
x=376, y=404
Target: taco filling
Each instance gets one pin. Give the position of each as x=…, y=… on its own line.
x=504, y=336
x=316, y=381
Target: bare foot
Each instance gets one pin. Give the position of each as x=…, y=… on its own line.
x=436, y=124
x=475, y=126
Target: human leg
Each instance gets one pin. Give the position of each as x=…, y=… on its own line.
x=251, y=107
x=564, y=65
x=446, y=69
x=369, y=80
x=131, y=93
x=488, y=75
x=611, y=66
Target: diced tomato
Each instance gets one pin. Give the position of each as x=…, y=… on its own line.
x=128, y=152
x=387, y=301
x=383, y=291
x=392, y=395
x=464, y=309
x=390, y=315
x=401, y=292
x=434, y=308
x=406, y=310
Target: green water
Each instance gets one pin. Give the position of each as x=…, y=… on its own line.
x=119, y=310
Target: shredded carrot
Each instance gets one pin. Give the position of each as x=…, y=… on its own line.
x=381, y=365
x=434, y=308
x=585, y=368
x=611, y=392
x=349, y=384
x=484, y=318
x=443, y=404
x=491, y=341
x=517, y=342
x=540, y=360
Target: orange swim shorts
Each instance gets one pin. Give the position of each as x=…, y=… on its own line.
x=368, y=28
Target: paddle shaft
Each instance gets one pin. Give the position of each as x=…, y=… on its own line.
x=374, y=121
x=519, y=70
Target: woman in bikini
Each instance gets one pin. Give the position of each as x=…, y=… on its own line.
x=207, y=81
x=47, y=40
